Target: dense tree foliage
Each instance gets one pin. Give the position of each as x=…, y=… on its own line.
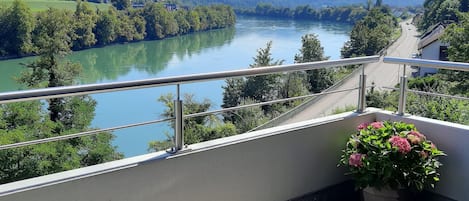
x=242, y=91
x=196, y=129
x=121, y=4
x=371, y=34
x=100, y=27
x=440, y=11
x=348, y=14
x=16, y=24
x=293, y=4
x=106, y=26
x=440, y=108
x=445, y=81
x=30, y=120
x=85, y=19
x=311, y=50
x=457, y=36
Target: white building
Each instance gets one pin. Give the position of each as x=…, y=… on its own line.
x=430, y=47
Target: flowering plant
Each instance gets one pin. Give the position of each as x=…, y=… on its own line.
x=391, y=154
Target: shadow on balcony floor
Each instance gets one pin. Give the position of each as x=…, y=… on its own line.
x=339, y=192
x=346, y=191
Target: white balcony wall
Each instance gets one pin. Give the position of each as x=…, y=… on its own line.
x=272, y=164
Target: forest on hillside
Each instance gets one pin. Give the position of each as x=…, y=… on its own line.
x=292, y=4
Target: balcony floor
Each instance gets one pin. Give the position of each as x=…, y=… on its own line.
x=341, y=192
x=346, y=192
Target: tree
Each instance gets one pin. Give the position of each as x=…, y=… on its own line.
x=233, y=92
x=371, y=34
x=85, y=22
x=17, y=23
x=53, y=39
x=139, y=24
x=194, y=20
x=121, y=4
x=266, y=87
x=240, y=91
x=369, y=5
x=106, y=25
x=457, y=36
x=29, y=121
x=247, y=119
x=464, y=6
x=129, y=27
x=181, y=20
x=196, y=129
x=311, y=50
x=379, y=3
x=294, y=84
x=153, y=14
x=440, y=11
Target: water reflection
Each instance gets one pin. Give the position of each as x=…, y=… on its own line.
x=151, y=57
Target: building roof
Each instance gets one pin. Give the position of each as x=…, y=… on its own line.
x=433, y=34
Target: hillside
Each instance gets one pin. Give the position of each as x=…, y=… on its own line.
x=294, y=3
x=41, y=5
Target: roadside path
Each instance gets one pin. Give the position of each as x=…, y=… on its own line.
x=380, y=73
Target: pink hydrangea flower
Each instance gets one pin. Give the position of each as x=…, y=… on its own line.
x=417, y=134
x=356, y=160
x=401, y=143
x=414, y=139
x=362, y=126
x=377, y=125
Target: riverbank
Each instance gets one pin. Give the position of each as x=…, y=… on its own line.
x=24, y=33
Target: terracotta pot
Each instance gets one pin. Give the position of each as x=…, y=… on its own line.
x=384, y=194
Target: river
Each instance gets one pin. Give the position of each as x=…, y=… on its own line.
x=217, y=50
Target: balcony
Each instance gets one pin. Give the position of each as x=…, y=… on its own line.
x=291, y=162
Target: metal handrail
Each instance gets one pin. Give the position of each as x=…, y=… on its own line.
x=422, y=63
x=58, y=92
x=430, y=93
x=267, y=103
x=80, y=134
x=428, y=63
x=93, y=132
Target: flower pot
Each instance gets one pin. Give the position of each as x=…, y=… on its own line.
x=383, y=194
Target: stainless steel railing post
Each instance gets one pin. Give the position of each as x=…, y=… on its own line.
x=179, y=122
x=362, y=92
x=403, y=94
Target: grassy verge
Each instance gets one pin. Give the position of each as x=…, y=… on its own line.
x=397, y=33
x=342, y=73
x=347, y=108
x=41, y=5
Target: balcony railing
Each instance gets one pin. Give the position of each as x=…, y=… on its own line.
x=268, y=173
x=59, y=92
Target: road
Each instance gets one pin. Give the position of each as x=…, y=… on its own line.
x=380, y=73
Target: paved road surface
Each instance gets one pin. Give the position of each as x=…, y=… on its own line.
x=380, y=73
